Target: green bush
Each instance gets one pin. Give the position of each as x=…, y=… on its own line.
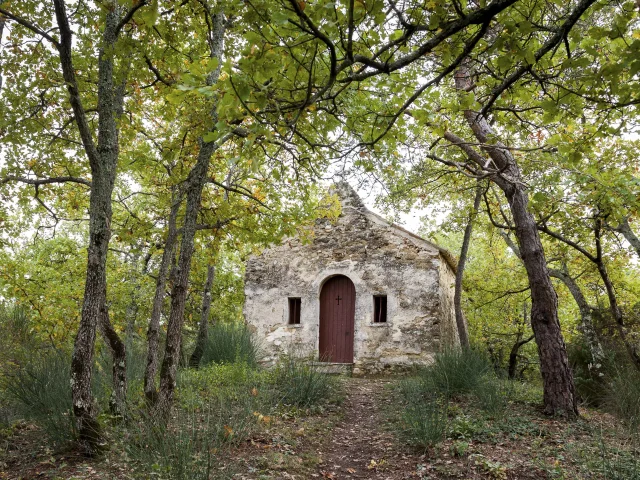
x=622, y=396
x=455, y=372
x=298, y=382
x=216, y=406
x=590, y=382
x=229, y=343
x=492, y=394
x=424, y=418
x=41, y=392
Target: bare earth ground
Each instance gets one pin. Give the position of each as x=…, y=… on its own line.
x=357, y=440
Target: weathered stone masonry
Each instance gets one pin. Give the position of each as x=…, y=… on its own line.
x=380, y=259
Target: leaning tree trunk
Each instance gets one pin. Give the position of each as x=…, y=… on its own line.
x=153, y=332
x=559, y=390
x=625, y=229
x=194, y=186
x=586, y=326
x=463, y=334
x=196, y=356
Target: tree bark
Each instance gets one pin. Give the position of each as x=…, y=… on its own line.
x=559, y=390
x=153, y=332
x=625, y=229
x=616, y=311
x=103, y=160
x=513, y=355
x=118, y=400
x=196, y=356
x=586, y=326
x=463, y=334
x=195, y=183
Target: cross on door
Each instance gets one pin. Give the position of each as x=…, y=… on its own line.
x=338, y=299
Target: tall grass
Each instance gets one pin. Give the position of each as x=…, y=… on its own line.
x=217, y=406
x=40, y=391
x=454, y=373
x=230, y=343
x=622, y=396
x=301, y=383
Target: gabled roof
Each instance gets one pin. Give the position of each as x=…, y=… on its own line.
x=351, y=200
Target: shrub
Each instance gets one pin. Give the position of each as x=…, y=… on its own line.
x=41, y=392
x=229, y=343
x=492, y=394
x=455, y=372
x=424, y=419
x=622, y=396
x=217, y=405
x=300, y=383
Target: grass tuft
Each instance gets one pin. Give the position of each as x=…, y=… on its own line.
x=230, y=343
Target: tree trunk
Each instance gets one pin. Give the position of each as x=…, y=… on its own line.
x=557, y=378
x=2, y=22
x=196, y=356
x=625, y=229
x=118, y=400
x=195, y=184
x=153, y=332
x=616, y=312
x=513, y=355
x=586, y=326
x=103, y=161
x=463, y=334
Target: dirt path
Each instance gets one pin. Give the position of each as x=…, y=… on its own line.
x=359, y=446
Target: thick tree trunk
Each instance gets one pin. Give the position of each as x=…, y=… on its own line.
x=153, y=332
x=196, y=356
x=103, y=161
x=559, y=390
x=463, y=334
x=195, y=184
x=557, y=378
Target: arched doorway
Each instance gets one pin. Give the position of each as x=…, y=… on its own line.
x=337, y=311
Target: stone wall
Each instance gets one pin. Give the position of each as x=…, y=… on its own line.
x=380, y=259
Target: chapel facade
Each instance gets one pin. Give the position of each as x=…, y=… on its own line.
x=363, y=293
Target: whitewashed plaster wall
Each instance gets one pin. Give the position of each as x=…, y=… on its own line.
x=380, y=259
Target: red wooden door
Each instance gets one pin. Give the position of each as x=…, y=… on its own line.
x=337, y=311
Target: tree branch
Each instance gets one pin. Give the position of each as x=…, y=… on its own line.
x=34, y=28
x=44, y=181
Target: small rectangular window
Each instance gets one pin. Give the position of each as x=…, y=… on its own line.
x=380, y=309
x=294, y=311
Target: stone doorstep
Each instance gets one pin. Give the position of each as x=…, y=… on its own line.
x=333, y=368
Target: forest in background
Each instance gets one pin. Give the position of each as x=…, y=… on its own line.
x=148, y=148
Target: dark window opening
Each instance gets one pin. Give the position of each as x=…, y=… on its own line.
x=294, y=311
x=380, y=309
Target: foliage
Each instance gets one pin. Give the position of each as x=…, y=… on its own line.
x=40, y=391
x=217, y=405
x=454, y=372
x=424, y=417
x=300, y=383
x=230, y=343
x=622, y=395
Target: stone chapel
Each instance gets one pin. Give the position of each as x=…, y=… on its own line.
x=364, y=294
